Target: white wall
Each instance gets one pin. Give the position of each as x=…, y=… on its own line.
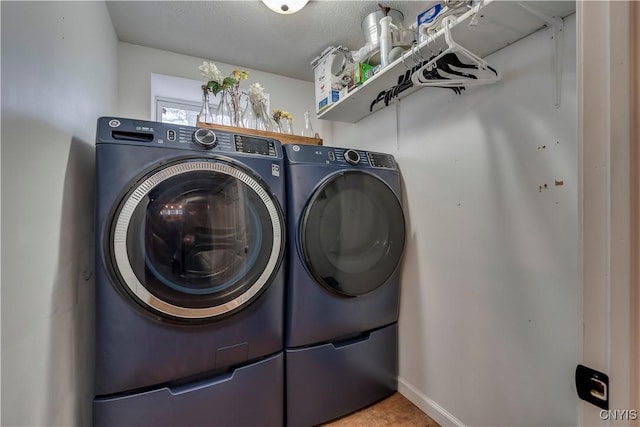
x=489, y=297
x=489, y=308
x=58, y=76
x=137, y=63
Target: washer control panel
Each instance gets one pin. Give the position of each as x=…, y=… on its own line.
x=379, y=160
x=204, y=137
x=139, y=132
x=254, y=145
x=344, y=157
x=352, y=157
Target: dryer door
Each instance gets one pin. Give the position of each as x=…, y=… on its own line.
x=197, y=239
x=352, y=233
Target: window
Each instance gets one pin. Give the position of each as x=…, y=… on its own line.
x=178, y=100
x=176, y=111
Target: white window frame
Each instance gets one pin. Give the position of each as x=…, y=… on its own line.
x=179, y=92
x=161, y=102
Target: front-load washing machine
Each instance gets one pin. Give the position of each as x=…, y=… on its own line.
x=189, y=280
x=345, y=237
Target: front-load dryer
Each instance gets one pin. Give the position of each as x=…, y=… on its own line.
x=189, y=279
x=345, y=238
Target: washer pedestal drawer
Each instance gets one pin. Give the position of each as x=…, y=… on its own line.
x=331, y=380
x=251, y=395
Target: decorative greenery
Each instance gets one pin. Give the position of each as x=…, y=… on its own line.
x=283, y=116
x=280, y=115
x=239, y=75
x=216, y=82
x=234, y=95
x=256, y=94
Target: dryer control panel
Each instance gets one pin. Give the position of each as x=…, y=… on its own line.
x=339, y=157
x=112, y=130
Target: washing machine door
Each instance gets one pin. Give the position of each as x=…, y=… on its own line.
x=197, y=239
x=352, y=233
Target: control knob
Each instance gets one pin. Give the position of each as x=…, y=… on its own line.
x=352, y=157
x=205, y=138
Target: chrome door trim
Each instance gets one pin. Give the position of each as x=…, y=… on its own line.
x=121, y=252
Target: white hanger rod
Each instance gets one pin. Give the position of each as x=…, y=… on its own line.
x=491, y=75
x=432, y=38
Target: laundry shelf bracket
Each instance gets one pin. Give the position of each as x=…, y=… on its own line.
x=557, y=27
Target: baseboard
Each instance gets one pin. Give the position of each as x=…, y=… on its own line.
x=428, y=406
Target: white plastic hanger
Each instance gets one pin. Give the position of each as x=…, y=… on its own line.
x=486, y=76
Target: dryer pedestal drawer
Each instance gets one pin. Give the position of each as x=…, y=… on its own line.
x=249, y=396
x=328, y=381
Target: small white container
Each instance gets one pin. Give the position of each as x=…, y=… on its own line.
x=329, y=87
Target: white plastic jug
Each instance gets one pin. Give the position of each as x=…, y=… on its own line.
x=385, y=40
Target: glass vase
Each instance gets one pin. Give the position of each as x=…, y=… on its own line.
x=307, y=130
x=205, y=116
x=288, y=126
x=249, y=117
x=235, y=109
x=285, y=126
x=223, y=111
x=262, y=120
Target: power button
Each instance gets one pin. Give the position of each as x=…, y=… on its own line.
x=352, y=157
x=332, y=156
x=205, y=138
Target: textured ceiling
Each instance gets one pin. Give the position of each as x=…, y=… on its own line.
x=248, y=34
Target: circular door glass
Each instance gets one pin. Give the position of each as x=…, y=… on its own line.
x=198, y=239
x=352, y=233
